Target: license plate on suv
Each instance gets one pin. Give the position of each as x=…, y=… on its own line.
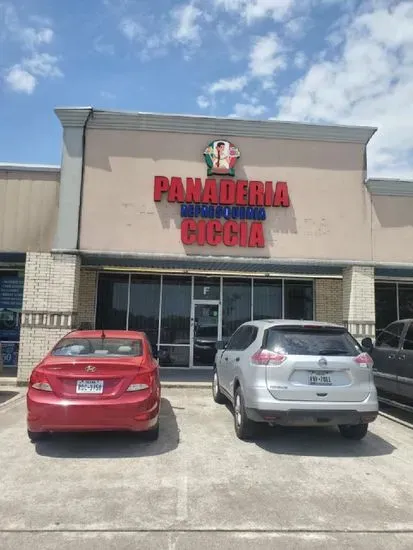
x=320, y=379
x=89, y=386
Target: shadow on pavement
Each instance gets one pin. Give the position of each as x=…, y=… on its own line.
x=317, y=441
x=114, y=444
x=6, y=395
x=320, y=442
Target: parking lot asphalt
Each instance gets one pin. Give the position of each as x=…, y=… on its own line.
x=198, y=486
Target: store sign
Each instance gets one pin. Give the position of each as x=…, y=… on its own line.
x=224, y=210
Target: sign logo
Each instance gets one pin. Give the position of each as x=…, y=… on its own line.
x=221, y=157
x=89, y=368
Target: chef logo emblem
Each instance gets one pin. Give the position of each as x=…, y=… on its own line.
x=221, y=157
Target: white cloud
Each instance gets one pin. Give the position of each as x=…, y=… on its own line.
x=131, y=29
x=300, y=60
x=247, y=110
x=266, y=58
x=20, y=80
x=251, y=10
x=203, y=102
x=369, y=83
x=42, y=64
x=33, y=38
x=185, y=22
x=235, y=84
x=30, y=63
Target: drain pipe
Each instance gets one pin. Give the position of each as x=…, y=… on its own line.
x=79, y=218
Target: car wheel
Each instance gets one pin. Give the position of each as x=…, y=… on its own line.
x=152, y=434
x=216, y=391
x=36, y=436
x=244, y=427
x=355, y=432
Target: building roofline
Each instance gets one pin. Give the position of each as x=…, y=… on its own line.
x=390, y=187
x=16, y=167
x=201, y=124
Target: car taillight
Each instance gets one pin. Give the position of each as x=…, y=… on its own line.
x=38, y=381
x=364, y=360
x=141, y=382
x=268, y=358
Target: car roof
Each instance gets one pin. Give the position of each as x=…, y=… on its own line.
x=127, y=334
x=266, y=323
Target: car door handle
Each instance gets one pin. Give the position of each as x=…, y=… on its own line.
x=402, y=356
x=391, y=356
x=237, y=359
x=226, y=358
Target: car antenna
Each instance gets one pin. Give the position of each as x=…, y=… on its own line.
x=103, y=335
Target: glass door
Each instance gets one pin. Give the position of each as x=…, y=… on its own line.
x=205, y=332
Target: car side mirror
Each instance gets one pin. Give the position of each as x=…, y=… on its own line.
x=367, y=344
x=220, y=345
x=155, y=353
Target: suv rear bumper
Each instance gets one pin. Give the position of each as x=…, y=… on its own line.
x=264, y=408
x=319, y=417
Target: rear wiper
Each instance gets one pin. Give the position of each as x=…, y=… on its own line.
x=333, y=352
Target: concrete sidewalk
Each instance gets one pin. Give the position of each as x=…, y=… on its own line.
x=198, y=486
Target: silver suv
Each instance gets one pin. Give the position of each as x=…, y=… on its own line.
x=295, y=373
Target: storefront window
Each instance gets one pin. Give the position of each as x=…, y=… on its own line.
x=176, y=310
x=112, y=303
x=207, y=288
x=405, y=301
x=298, y=300
x=144, y=305
x=11, y=300
x=236, y=305
x=267, y=299
x=174, y=356
x=386, y=304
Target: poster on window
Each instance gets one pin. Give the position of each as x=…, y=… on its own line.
x=11, y=299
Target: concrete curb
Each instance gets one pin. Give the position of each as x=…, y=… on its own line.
x=198, y=385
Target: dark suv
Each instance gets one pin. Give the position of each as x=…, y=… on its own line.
x=392, y=354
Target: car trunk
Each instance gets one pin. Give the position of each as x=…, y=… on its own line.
x=319, y=365
x=302, y=379
x=91, y=378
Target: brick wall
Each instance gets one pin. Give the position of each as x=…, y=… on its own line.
x=87, y=297
x=50, y=303
x=329, y=300
x=359, y=309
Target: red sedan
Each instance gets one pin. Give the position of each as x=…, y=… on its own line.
x=96, y=381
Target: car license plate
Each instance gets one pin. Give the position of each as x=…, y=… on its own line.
x=89, y=386
x=320, y=379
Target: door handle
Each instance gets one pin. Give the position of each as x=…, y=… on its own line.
x=402, y=356
x=226, y=358
x=391, y=356
x=237, y=359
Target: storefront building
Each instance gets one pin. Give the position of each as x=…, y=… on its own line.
x=186, y=227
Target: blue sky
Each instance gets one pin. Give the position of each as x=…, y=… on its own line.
x=334, y=61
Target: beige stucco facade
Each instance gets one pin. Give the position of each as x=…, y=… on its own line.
x=329, y=216
x=28, y=208
x=341, y=231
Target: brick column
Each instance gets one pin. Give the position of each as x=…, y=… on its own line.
x=359, y=309
x=329, y=300
x=50, y=306
x=87, y=297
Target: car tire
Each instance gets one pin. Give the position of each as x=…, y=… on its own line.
x=152, y=434
x=245, y=428
x=355, y=432
x=217, y=395
x=36, y=436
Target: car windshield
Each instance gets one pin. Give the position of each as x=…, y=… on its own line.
x=312, y=341
x=105, y=347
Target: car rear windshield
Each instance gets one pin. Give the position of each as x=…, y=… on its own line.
x=105, y=347
x=311, y=341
